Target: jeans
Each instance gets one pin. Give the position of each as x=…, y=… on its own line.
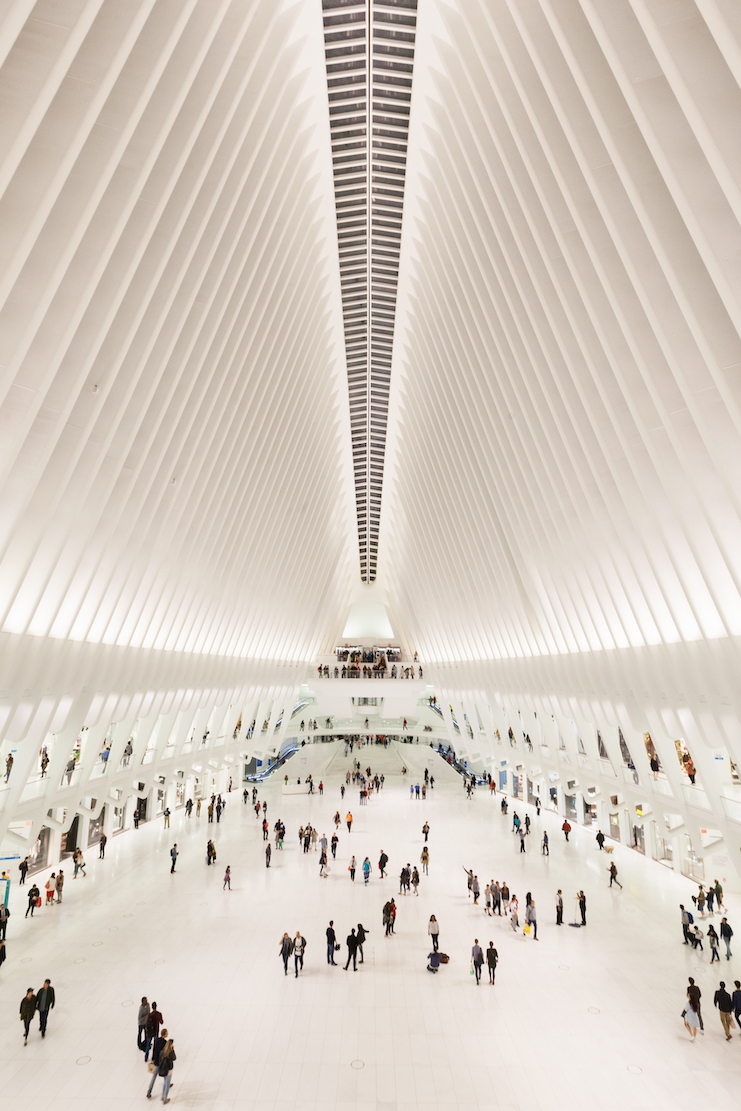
x=360, y=950
x=165, y=1086
x=729, y=954
x=286, y=958
x=330, y=953
x=298, y=959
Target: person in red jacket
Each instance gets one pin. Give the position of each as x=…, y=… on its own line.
x=566, y=828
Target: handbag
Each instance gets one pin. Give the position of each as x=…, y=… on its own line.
x=336, y=946
x=151, y=1066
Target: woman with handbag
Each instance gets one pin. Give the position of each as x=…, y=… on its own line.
x=167, y=1061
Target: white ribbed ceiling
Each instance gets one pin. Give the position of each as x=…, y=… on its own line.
x=562, y=458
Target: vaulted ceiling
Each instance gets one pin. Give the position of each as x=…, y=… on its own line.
x=236, y=384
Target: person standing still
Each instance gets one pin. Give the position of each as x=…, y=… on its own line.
x=566, y=827
x=28, y=1010
x=45, y=1001
x=4, y=916
x=559, y=908
x=426, y=831
x=101, y=846
x=433, y=929
x=23, y=869
x=166, y=816
x=331, y=941
x=33, y=895
x=583, y=907
x=352, y=950
x=477, y=959
x=174, y=855
x=268, y=854
x=60, y=886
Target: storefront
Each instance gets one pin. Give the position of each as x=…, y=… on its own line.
x=95, y=827
x=39, y=855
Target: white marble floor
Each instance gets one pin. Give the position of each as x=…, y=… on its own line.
x=584, y=1018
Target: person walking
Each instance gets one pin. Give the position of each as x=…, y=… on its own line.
x=566, y=827
x=433, y=929
x=60, y=886
x=33, y=895
x=600, y=839
x=724, y=1003
x=522, y=835
x=726, y=934
x=4, y=916
x=694, y=995
x=286, y=948
x=227, y=878
x=613, y=875
x=492, y=959
x=28, y=1010
x=425, y=861
x=23, y=869
x=168, y=1058
x=174, y=856
x=415, y=880
x=323, y=864
x=151, y=1029
x=736, y=999
x=352, y=950
x=496, y=898
x=583, y=907
x=713, y=942
x=426, y=831
x=366, y=871
x=690, y=1017
x=544, y=845
x=166, y=816
x=141, y=1022
x=686, y=921
x=268, y=854
x=382, y=862
x=559, y=908
x=334, y=843
x=351, y=869
x=477, y=959
x=487, y=900
x=101, y=846
x=299, y=948
x=331, y=942
x=45, y=1001
x=531, y=919
x=348, y=819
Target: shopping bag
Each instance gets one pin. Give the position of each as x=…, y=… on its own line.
x=527, y=930
x=38, y=901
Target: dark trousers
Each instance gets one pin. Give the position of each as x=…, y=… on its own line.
x=477, y=970
x=26, y=1026
x=583, y=918
x=492, y=973
x=559, y=916
x=497, y=907
x=434, y=942
x=286, y=958
x=298, y=959
x=352, y=955
x=141, y=1041
x=3, y=928
x=43, y=1019
x=686, y=932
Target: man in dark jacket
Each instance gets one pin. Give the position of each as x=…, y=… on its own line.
x=151, y=1029
x=352, y=951
x=44, y=1001
x=382, y=862
x=724, y=1003
x=28, y=1010
x=331, y=939
x=33, y=895
x=726, y=934
x=361, y=936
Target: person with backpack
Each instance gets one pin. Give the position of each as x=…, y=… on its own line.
x=687, y=921
x=167, y=1061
